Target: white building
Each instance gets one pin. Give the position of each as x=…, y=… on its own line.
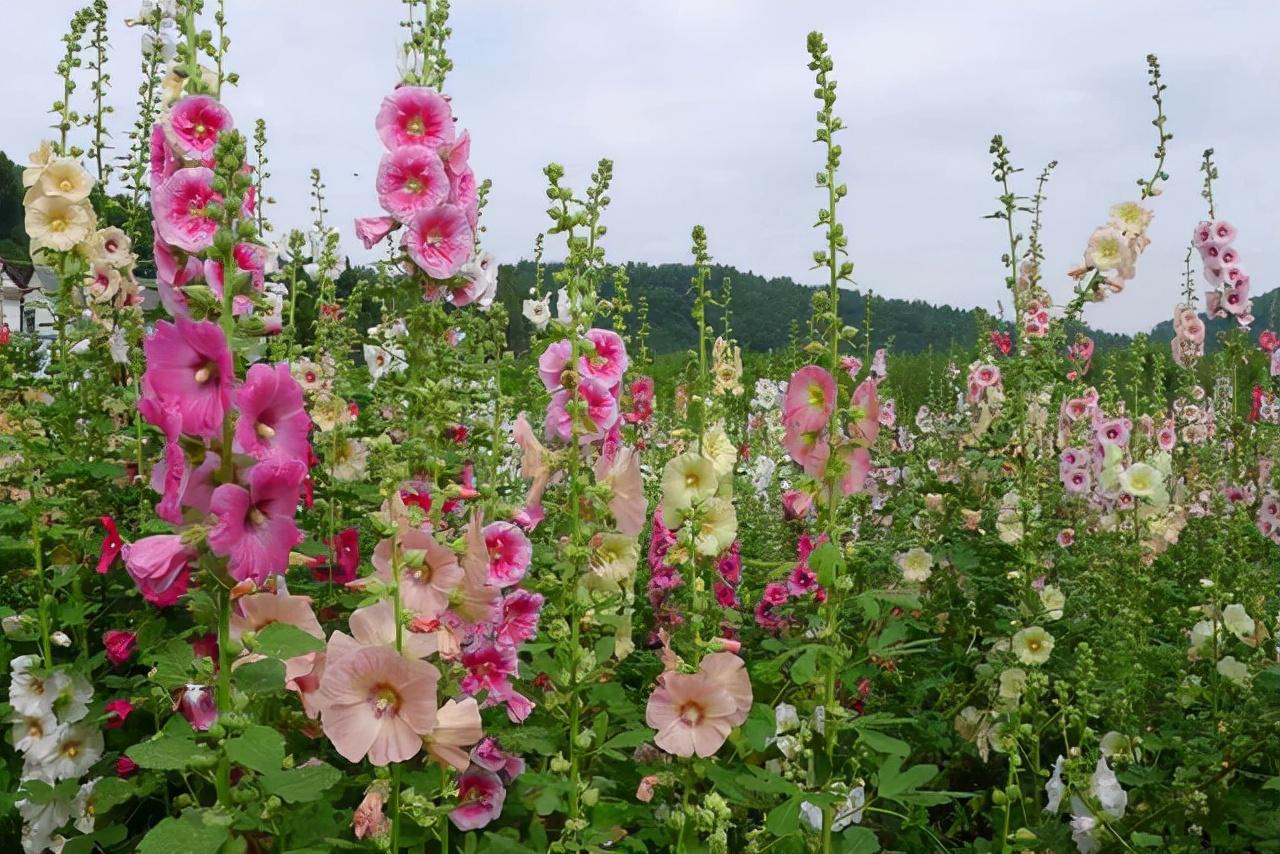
x=23, y=305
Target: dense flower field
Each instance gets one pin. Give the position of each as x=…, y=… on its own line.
x=277, y=580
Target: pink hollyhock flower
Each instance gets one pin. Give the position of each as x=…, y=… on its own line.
x=256, y=527
x=194, y=124
x=857, y=465
x=344, y=561
x=368, y=820
x=455, y=156
x=601, y=414
x=375, y=625
x=415, y=115
x=411, y=179
x=119, y=645
x=519, y=707
x=519, y=620
x=490, y=756
x=808, y=448
x=126, y=767
x=373, y=229
x=775, y=593
x=627, y=502
x=725, y=595
x=1076, y=481
x=553, y=362
x=440, y=240
x=509, y=553
x=458, y=726
x=644, y=792
x=196, y=703
x=250, y=258
x=118, y=712
x=489, y=667
x=1114, y=431
x=866, y=412
x=729, y=567
x=464, y=192
x=802, y=581
x=695, y=712
x=255, y=612
x=180, y=208
x=111, y=545
x=480, y=798
x=378, y=704
x=189, y=366
x=425, y=588
x=810, y=399
x=160, y=566
x=273, y=421
x=164, y=162
x=608, y=361
x=796, y=504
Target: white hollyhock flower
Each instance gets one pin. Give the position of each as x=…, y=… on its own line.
x=40, y=822
x=72, y=702
x=34, y=733
x=383, y=360
x=1106, y=788
x=31, y=693
x=1233, y=670
x=1052, y=600
x=850, y=812
x=786, y=717
x=1083, y=826
x=537, y=312
x=916, y=564
x=1055, y=788
x=1238, y=621
x=75, y=749
x=83, y=806
x=563, y=312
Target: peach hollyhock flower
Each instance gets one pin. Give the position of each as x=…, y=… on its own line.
x=255, y=612
x=415, y=115
x=475, y=600
x=378, y=704
x=627, y=501
x=179, y=206
x=194, y=125
x=426, y=584
x=411, y=179
x=440, y=240
x=55, y=223
x=375, y=625
x=533, y=465
x=810, y=399
x=480, y=798
x=368, y=820
x=458, y=726
x=695, y=712
x=373, y=229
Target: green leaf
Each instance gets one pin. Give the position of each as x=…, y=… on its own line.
x=629, y=738
x=281, y=640
x=882, y=743
x=1146, y=840
x=111, y=791
x=169, y=754
x=173, y=664
x=859, y=840
x=101, y=840
x=894, y=782
x=298, y=785
x=804, y=667
x=760, y=726
x=784, y=819
x=187, y=835
x=264, y=676
x=1273, y=783
x=825, y=561
x=260, y=748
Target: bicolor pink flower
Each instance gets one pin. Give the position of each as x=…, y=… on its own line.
x=372, y=230
x=194, y=125
x=369, y=821
x=180, y=207
x=119, y=645
x=480, y=799
x=378, y=704
x=808, y=448
x=189, y=365
x=553, y=362
x=425, y=585
x=1113, y=431
x=509, y=553
x=796, y=504
x=111, y=545
x=810, y=399
x=196, y=703
x=256, y=528
x=601, y=413
x=440, y=240
x=160, y=566
x=273, y=422
x=411, y=179
x=1076, y=481
x=489, y=667
x=464, y=193
x=519, y=621
x=490, y=756
x=607, y=361
x=415, y=115
x=455, y=156
x=163, y=160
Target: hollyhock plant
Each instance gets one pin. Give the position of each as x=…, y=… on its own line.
x=181, y=207
x=480, y=799
x=411, y=179
x=439, y=240
x=415, y=116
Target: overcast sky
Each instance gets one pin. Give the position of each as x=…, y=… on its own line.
x=706, y=108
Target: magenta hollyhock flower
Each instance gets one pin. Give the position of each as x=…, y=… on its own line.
x=379, y=704
x=480, y=799
x=196, y=703
x=189, y=364
x=118, y=712
x=509, y=553
x=273, y=422
x=179, y=207
x=519, y=620
x=455, y=156
x=119, y=645
x=440, y=240
x=194, y=124
x=111, y=545
x=810, y=399
x=489, y=667
x=411, y=179
x=464, y=193
x=802, y=581
x=415, y=115
x=726, y=596
x=160, y=566
x=775, y=593
x=344, y=562
x=490, y=756
x=608, y=360
x=553, y=362
x=256, y=527
x=126, y=767
x=250, y=258
x=373, y=229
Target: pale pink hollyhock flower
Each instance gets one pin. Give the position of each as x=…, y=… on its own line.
x=519, y=619
x=189, y=364
x=1113, y=431
x=509, y=553
x=415, y=115
x=627, y=502
x=440, y=240
x=1167, y=437
x=796, y=504
x=458, y=726
x=851, y=365
x=695, y=712
x=1066, y=537
x=378, y=704
x=255, y=612
x=369, y=821
x=256, y=527
x=808, y=448
x=273, y=421
x=194, y=125
x=476, y=600
x=607, y=361
x=866, y=410
x=164, y=162
x=179, y=206
x=1076, y=481
x=424, y=589
x=375, y=625
x=810, y=399
x=119, y=645
x=490, y=756
x=160, y=566
x=553, y=362
x=411, y=179
x=857, y=465
x=373, y=229
x=480, y=798
x=197, y=705
x=644, y=792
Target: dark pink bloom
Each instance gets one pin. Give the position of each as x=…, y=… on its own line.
x=126, y=767
x=488, y=668
x=194, y=124
x=256, y=527
x=480, y=799
x=160, y=566
x=490, y=756
x=373, y=229
x=519, y=620
x=344, y=561
x=119, y=645
x=601, y=413
x=111, y=545
x=440, y=240
x=509, y=553
x=725, y=595
x=189, y=366
x=411, y=179
x=180, y=208
x=117, y=712
x=196, y=703
x=273, y=422
x=802, y=581
x=775, y=593
x=608, y=360
x=415, y=115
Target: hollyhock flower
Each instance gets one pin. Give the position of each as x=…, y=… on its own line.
x=64, y=178
x=553, y=362
x=519, y=620
x=439, y=240
x=373, y=229
x=1108, y=250
x=160, y=566
x=537, y=312
x=509, y=553
x=273, y=421
x=194, y=124
x=111, y=545
x=384, y=360
x=796, y=504
x=411, y=179
x=608, y=361
x=31, y=693
x=716, y=527
x=55, y=223
x=1114, y=431
x=34, y=733
x=255, y=612
x=807, y=448
x=189, y=365
x=250, y=258
x=426, y=584
x=180, y=206
x=694, y=712
x=686, y=480
x=344, y=562
x=489, y=755
x=627, y=501
x=865, y=404
x=601, y=412
x=72, y=752
x=458, y=726
x=916, y=564
x=480, y=799
x=369, y=821
x=802, y=581
x=126, y=767
x=118, y=712
x=196, y=703
x=378, y=704
x=415, y=115
x=810, y=399
x=1032, y=645
x=119, y=645
x=1066, y=537
x=256, y=527
x=489, y=667
x=857, y=466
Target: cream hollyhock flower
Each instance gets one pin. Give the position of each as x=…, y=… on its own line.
x=537, y=312
x=55, y=223
x=718, y=447
x=1202, y=635
x=614, y=558
x=351, y=460
x=1238, y=621
x=1013, y=682
x=686, y=479
x=717, y=527
x=916, y=564
x=1144, y=481
x=1108, y=250
x=40, y=159
x=63, y=178
x=1131, y=218
x=1235, y=671
x=109, y=246
x=1032, y=645
x=383, y=360
x=1052, y=600
x=726, y=370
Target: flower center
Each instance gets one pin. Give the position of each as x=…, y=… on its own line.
x=58, y=225
x=66, y=186
x=256, y=516
x=413, y=185
x=1033, y=645
x=71, y=750
x=415, y=127
x=201, y=129
x=266, y=431
x=385, y=700
x=691, y=713
x=204, y=374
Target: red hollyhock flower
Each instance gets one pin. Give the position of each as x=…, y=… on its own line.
x=111, y=545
